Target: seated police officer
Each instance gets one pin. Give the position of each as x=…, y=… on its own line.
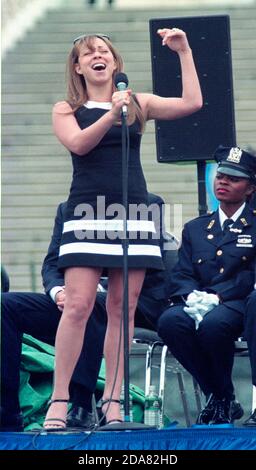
x=38, y=315
x=250, y=332
x=210, y=283
x=250, y=335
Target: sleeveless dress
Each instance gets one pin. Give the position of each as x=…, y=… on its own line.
x=93, y=227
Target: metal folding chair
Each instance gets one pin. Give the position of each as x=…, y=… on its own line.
x=153, y=342
x=241, y=350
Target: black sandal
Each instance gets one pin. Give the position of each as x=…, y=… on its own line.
x=103, y=419
x=56, y=428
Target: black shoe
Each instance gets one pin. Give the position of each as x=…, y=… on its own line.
x=222, y=412
x=101, y=417
x=79, y=417
x=11, y=422
x=207, y=413
x=251, y=421
x=236, y=410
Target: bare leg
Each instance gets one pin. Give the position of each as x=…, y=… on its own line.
x=81, y=287
x=114, y=307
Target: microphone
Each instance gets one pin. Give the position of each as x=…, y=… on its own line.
x=121, y=82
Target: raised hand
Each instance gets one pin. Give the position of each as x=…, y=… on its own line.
x=174, y=38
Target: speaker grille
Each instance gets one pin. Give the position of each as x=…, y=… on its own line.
x=195, y=137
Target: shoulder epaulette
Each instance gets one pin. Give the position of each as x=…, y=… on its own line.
x=207, y=214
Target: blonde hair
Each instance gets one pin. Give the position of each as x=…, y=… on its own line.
x=76, y=84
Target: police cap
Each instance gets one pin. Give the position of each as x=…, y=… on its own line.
x=236, y=162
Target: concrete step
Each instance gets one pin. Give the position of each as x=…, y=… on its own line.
x=126, y=35
x=242, y=97
x=141, y=64
x=238, y=25
x=53, y=58
x=242, y=87
x=126, y=47
x=75, y=14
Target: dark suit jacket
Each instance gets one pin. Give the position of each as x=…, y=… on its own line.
x=5, y=282
x=220, y=264
x=152, y=299
x=51, y=275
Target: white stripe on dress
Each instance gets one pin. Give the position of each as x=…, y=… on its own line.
x=98, y=104
x=109, y=225
x=104, y=249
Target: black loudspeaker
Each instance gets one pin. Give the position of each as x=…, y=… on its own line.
x=197, y=136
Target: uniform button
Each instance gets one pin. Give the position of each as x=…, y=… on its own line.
x=219, y=252
x=244, y=258
x=221, y=270
x=199, y=261
x=210, y=236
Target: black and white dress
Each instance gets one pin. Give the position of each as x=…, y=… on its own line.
x=93, y=227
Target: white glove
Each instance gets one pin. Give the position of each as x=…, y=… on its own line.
x=199, y=303
x=209, y=300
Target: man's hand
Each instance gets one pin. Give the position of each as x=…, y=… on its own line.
x=60, y=299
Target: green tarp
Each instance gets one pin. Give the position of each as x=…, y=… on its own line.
x=36, y=383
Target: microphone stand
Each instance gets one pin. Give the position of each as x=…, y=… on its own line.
x=127, y=424
x=125, y=245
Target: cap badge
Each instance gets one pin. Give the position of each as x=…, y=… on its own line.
x=234, y=155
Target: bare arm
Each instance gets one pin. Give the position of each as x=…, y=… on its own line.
x=81, y=141
x=156, y=107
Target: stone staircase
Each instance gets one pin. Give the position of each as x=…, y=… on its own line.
x=36, y=170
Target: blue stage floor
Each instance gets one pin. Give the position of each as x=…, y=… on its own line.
x=166, y=439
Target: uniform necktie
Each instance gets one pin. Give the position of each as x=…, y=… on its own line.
x=226, y=225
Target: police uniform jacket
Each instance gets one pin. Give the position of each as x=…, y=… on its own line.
x=211, y=261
